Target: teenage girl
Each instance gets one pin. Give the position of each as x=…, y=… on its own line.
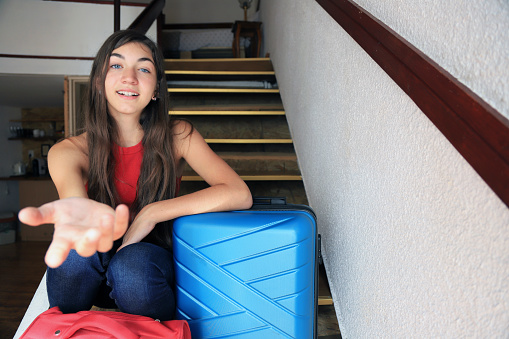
x=119, y=180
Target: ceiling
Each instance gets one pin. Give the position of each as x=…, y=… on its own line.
x=28, y=91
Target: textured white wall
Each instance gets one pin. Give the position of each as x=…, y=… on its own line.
x=415, y=243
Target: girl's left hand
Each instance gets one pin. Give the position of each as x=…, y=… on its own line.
x=141, y=226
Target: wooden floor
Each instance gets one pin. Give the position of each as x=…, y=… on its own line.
x=22, y=267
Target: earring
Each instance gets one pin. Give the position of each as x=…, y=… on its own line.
x=154, y=98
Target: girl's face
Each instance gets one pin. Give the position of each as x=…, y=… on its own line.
x=131, y=80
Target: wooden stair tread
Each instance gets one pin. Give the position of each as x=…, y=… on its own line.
x=225, y=112
x=221, y=90
x=237, y=107
x=227, y=64
x=225, y=82
x=218, y=106
x=249, y=141
x=271, y=78
x=255, y=177
x=195, y=72
x=258, y=155
x=324, y=294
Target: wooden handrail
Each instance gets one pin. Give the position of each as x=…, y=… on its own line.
x=150, y=14
x=474, y=128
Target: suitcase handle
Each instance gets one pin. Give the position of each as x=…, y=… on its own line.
x=269, y=200
x=276, y=203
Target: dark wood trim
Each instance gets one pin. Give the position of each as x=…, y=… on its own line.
x=97, y=2
x=150, y=14
x=199, y=25
x=474, y=128
x=23, y=56
x=160, y=23
x=116, y=15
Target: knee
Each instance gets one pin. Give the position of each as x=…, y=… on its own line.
x=75, y=265
x=74, y=285
x=140, y=276
x=135, y=264
x=138, y=251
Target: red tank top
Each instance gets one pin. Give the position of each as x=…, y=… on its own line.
x=127, y=170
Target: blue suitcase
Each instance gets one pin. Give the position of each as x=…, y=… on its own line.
x=248, y=274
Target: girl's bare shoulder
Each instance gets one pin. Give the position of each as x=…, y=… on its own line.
x=70, y=148
x=182, y=131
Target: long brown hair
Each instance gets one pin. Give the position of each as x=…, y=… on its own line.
x=157, y=180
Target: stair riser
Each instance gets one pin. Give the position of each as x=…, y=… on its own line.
x=273, y=127
x=252, y=64
x=292, y=190
x=252, y=167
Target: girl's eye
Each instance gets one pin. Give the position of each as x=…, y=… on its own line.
x=145, y=70
x=115, y=66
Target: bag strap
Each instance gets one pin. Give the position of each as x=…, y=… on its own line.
x=99, y=321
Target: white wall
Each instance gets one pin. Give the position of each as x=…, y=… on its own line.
x=415, y=243
x=35, y=27
x=10, y=152
x=205, y=11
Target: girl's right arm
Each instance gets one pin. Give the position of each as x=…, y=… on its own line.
x=80, y=223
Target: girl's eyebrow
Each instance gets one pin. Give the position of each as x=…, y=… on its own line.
x=139, y=60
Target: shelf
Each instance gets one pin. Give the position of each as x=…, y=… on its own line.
x=36, y=139
x=215, y=113
x=36, y=120
x=26, y=177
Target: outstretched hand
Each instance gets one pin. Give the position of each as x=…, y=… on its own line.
x=81, y=224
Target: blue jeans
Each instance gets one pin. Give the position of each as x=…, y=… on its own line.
x=138, y=279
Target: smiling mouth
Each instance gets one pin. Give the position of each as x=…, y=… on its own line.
x=128, y=94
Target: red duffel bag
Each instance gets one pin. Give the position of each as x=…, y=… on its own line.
x=103, y=324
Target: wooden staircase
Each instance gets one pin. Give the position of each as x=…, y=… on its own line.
x=235, y=104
